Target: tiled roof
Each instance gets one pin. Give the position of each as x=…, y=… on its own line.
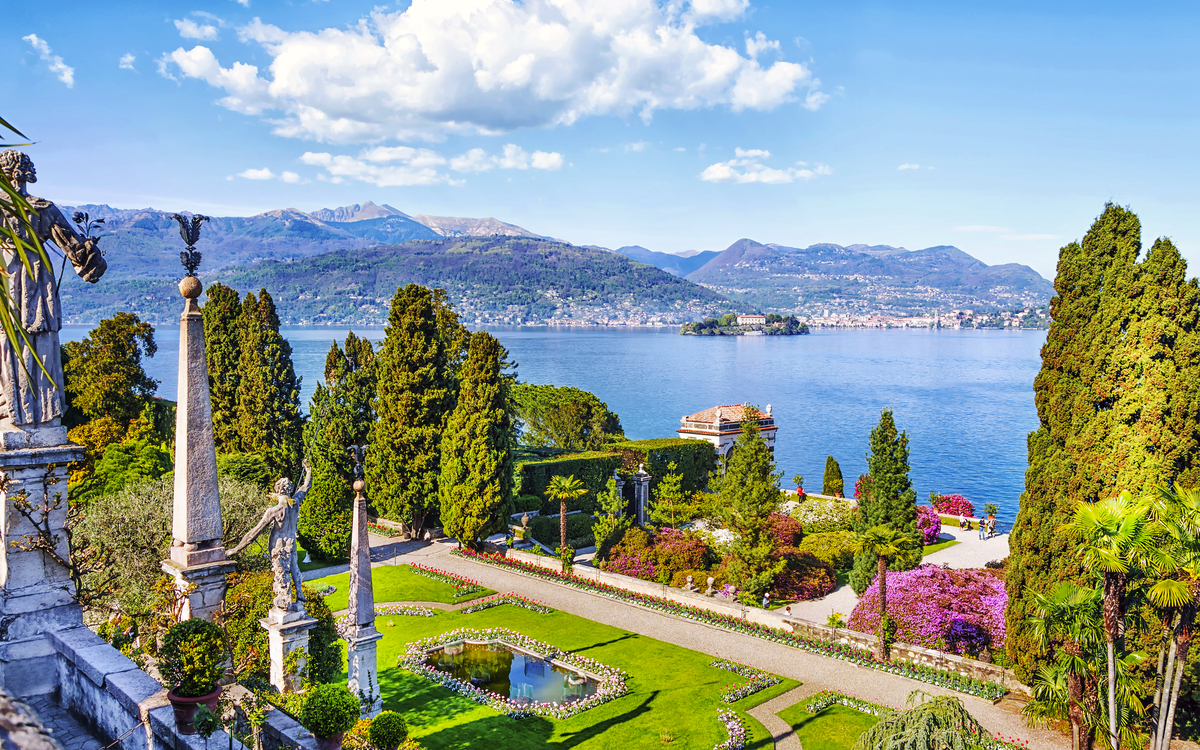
x=729, y=413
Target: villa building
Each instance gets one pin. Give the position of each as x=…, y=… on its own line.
x=721, y=425
x=751, y=320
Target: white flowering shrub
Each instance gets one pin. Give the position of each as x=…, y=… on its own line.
x=819, y=516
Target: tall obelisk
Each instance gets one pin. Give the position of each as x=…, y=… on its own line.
x=363, y=637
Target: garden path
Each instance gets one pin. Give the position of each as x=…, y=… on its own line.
x=782, y=732
x=816, y=672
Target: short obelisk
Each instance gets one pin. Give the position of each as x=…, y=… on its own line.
x=362, y=637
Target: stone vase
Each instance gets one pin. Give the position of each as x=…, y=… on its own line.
x=185, y=708
x=333, y=742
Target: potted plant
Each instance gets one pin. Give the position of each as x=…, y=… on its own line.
x=192, y=660
x=799, y=481
x=328, y=711
x=387, y=730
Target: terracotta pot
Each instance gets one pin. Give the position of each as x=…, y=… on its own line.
x=333, y=742
x=185, y=708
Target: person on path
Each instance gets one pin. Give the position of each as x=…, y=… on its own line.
x=982, y=529
x=962, y=522
x=991, y=525
x=767, y=600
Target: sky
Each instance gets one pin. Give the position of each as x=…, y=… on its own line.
x=999, y=128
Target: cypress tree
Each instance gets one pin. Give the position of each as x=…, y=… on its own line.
x=1117, y=404
x=832, y=483
x=340, y=416
x=477, y=480
x=222, y=352
x=890, y=501
x=414, y=397
x=747, y=492
x=269, y=420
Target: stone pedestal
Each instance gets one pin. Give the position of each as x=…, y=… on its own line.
x=363, y=674
x=36, y=591
x=202, y=586
x=641, y=496
x=287, y=631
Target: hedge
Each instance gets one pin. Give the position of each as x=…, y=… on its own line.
x=695, y=459
x=593, y=469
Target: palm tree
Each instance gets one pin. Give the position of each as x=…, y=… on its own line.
x=563, y=489
x=885, y=542
x=1117, y=538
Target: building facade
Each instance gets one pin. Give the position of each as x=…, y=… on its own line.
x=721, y=425
x=751, y=320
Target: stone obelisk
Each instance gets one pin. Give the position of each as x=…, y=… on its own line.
x=363, y=637
x=198, y=562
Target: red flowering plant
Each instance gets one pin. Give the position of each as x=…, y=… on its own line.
x=929, y=523
x=787, y=531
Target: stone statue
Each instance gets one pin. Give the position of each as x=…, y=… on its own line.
x=31, y=400
x=282, y=520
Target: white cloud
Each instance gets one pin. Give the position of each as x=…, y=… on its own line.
x=243, y=3
x=639, y=146
x=491, y=66
x=384, y=167
x=189, y=29
x=257, y=174
x=210, y=16
x=680, y=148
x=1029, y=236
x=290, y=177
x=65, y=72
x=748, y=167
x=126, y=61
x=981, y=228
x=512, y=157
x=759, y=43
x=905, y=166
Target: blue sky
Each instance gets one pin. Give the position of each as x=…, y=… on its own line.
x=674, y=126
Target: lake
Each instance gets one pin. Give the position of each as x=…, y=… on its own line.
x=965, y=398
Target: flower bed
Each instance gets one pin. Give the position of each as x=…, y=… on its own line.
x=342, y=623
x=953, y=505
x=462, y=586
x=734, y=727
x=833, y=649
x=510, y=598
x=759, y=680
x=387, y=531
x=611, y=683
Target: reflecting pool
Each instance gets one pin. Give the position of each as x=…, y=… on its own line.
x=501, y=669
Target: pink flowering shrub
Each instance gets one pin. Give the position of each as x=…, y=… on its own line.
x=787, y=531
x=952, y=505
x=637, y=564
x=929, y=523
x=960, y=611
x=862, y=488
x=805, y=576
x=675, y=550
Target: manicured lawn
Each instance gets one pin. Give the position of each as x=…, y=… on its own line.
x=312, y=565
x=395, y=583
x=834, y=728
x=672, y=689
x=939, y=546
x=843, y=577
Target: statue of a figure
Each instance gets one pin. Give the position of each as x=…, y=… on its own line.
x=282, y=519
x=31, y=400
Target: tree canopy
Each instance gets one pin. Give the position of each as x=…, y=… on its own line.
x=103, y=372
x=564, y=417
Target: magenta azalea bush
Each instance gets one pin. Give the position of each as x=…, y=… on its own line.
x=804, y=576
x=960, y=611
x=953, y=505
x=638, y=565
x=787, y=531
x=929, y=523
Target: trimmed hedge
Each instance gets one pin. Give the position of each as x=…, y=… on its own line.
x=593, y=469
x=548, y=531
x=694, y=459
x=834, y=547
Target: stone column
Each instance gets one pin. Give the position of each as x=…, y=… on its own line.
x=36, y=591
x=287, y=631
x=363, y=637
x=197, y=561
x=641, y=495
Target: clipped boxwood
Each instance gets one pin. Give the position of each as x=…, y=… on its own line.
x=388, y=730
x=834, y=547
x=593, y=469
x=694, y=460
x=192, y=657
x=329, y=710
x=579, y=530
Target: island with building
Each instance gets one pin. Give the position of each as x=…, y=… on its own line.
x=747, y=324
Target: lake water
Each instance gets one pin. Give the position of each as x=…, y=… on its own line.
x=965, y=398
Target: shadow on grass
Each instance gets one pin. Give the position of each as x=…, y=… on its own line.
x=497, y=732
x=571, y=739
x=422, y=702
x=625, y=637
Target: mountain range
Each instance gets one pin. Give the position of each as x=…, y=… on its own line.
x=342, y=265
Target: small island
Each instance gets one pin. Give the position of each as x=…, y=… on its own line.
x=734, y=324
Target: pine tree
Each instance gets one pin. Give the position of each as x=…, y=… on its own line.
x=340, y=416
x=269, y=419
x=415, y=391
x=1117, y=404
x=222, y=352
x=747, y=492
x=889, y=502
x=832, y=483
x=477, y=485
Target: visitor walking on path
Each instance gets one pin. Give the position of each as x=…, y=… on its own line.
x=982, y=530
x=962, y=522
x=767, y=600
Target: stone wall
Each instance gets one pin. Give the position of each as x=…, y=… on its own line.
x=900, y=651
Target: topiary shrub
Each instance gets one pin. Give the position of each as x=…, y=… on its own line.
x=579, y=530
x=952, y=505
x=832, y=483
x=329, y=710
x=192, y=657
x=388, y=730
x=834, y=547
x=786, y=530
x=699, y=579
x=817, y=516
x=952, y=610
x=804, y=576
x=929, y=524
x=326, y=515
x=676, y=551
x=244, y=467
x=527, y=503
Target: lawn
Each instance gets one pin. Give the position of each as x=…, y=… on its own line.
x=672, y=689
x=395, y=583
x=834, y=728
x=929, y=550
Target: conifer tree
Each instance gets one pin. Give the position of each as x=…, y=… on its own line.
x=476, y=485
x=103, y=373
x=889, y=502
x=832, y=483
x=222, y=352
x=415, y=393
x=269, y=420
x=340, y=415
x=747, y=492
x=1117, y=405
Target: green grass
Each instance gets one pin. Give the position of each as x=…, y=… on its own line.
x=843, y=577
x=672, y=690
x=929, y=550
x=394, y=583
x=835, y=728
x=300, y=553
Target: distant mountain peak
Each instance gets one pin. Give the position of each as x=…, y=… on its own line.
x=358, y=212
x=454, y=226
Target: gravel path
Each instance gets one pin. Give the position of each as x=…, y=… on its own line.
x=816, y=672
x=782, y=732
